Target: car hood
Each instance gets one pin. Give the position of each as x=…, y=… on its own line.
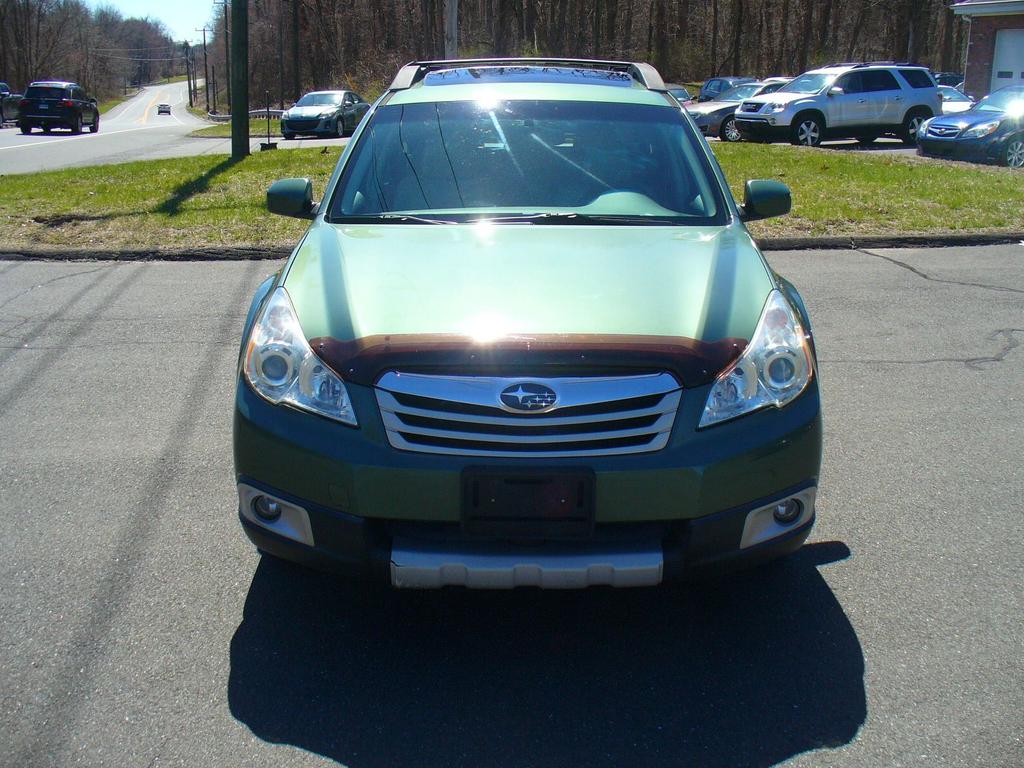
x=967, y=119
x=369, y=297
x=707, y=107
x=779, y=97
x=307, y=112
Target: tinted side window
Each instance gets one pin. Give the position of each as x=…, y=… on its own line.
x=917, y=78
x=879, y=80
x=851, y=83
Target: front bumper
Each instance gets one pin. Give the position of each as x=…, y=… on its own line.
x=375, y=510
x=985, y=150
x=325, y=125
x=434, y=556
x=759, y=129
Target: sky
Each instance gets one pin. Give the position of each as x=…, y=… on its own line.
x=181, y=17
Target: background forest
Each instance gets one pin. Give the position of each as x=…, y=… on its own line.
x=297, y=45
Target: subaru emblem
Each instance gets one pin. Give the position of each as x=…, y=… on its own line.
x=528, y=396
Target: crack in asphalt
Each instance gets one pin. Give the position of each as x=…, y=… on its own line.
x=925, y=276
x=1009, y=340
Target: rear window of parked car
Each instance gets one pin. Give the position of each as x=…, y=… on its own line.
x=917, y=78
x=45, y=92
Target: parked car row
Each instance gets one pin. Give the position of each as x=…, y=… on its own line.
x=865, y=101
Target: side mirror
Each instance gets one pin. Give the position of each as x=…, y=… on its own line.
x=764, y=199
x=292, y=197
x=835, y=90
x=92, y=101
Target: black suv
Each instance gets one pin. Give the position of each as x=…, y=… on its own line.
x=57, y=104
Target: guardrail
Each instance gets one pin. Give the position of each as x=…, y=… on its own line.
x=275, y=114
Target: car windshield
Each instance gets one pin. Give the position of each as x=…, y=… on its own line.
x=739, y=93
x=1009, y=100
x=44, y=92
x=542, y=161
x=680, y=93
x=319, y=100
x=952, y=94
x=809, y=83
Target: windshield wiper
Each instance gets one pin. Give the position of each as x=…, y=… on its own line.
x=579, y=218
x=388, y=218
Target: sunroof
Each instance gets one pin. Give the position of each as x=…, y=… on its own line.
x=527, y=74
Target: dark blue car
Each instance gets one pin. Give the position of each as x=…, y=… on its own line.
x=992, y=131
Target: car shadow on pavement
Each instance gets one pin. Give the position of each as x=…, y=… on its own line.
x=747, y=670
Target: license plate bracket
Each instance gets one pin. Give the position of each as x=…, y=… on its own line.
x=528, y=503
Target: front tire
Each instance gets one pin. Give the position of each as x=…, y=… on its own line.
x=808, y=131
x=1013, y=156
x=25, y=128
x=911, y=125
x=288, y=136
x=76, y=125
x=728, y=130
x=95, y=127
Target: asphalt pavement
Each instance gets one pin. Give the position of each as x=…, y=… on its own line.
x=138, y=627
x=128, y=132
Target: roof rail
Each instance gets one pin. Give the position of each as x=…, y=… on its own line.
x=887, y=64
x=643, y=73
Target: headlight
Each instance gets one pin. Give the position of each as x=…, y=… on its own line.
x=328, y=113
x=282, y=368
x=773, y=369
x=775, y=108
x=985, y=129
x=924, y=126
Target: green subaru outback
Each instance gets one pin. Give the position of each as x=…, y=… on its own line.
x=527, y=340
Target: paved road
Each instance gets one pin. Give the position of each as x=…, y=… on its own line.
x=138, y=627
x=131, y=131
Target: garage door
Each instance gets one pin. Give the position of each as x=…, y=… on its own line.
x=1008, y=67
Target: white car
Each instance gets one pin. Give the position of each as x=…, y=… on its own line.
x=862, y=101
x=954, y=102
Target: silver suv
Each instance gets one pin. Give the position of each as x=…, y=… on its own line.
x=861, y=101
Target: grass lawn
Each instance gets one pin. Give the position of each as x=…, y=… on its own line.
x=838, y=192
x=257, y=128
x=177, y=203
x=210, y=201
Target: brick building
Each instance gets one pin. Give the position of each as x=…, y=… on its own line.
x=995, y=50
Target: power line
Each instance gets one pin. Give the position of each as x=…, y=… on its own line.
x=129, y=58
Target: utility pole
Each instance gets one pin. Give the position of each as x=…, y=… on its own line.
x=188, y=73
x=280, y=52
x=451, y=29
x=239, y=79
x=206, y=70
x=296, y=63
x=227, y=51
x=213, y=75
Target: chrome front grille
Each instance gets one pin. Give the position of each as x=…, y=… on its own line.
x=751, y=106
x=943, y=131
x=464, y=415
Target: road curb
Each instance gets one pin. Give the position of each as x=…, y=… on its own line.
x=269, y=253
x=888, y=241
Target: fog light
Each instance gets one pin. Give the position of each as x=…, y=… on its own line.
x=270, y=510
x=787, y=511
